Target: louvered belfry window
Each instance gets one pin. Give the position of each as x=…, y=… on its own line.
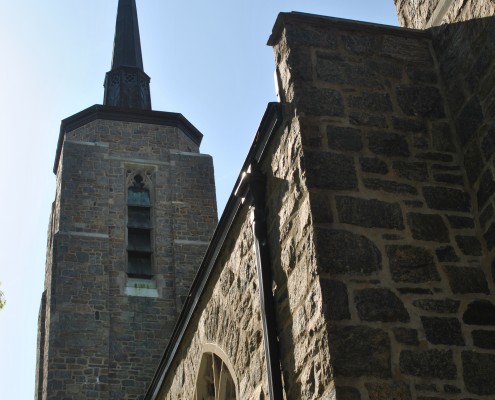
x=139, y=248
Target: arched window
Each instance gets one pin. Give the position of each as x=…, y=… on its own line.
x=139, y=248
x=215, y=381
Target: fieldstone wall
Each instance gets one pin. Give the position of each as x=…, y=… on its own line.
x=402, y=262
x=229, y=319
x=228, y=315
x=466, y=51
x=421, y=14
x=381, y=269
x=99, y=342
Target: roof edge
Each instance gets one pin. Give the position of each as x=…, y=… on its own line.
x=349, y=24
x=111, y=113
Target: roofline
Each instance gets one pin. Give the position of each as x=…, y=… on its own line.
x=349, y=24
x=111, y=113
x=271, y=121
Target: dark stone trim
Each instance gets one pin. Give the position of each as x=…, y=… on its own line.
x=111, y=113
x=271, y=121
x=341, y=23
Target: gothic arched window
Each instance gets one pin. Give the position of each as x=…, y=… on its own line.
x=215, y=381
x=139, y=248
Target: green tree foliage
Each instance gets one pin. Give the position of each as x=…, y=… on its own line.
x=2, y=300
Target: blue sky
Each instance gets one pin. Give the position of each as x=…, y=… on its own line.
x=207, y=60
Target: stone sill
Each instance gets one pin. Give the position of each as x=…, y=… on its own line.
x=141, y=288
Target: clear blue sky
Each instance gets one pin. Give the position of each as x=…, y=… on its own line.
x=207, y=60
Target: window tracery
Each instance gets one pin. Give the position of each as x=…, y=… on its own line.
x=215, y=381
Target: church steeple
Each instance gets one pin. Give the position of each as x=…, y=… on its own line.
x=126, y=85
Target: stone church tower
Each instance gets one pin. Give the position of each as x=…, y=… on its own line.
x=133, y=214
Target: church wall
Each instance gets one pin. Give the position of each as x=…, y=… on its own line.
x=421, y=14
x=228, y=322
x=104, y=337
x=466, y=51
x=228, y=315
x=402, y=265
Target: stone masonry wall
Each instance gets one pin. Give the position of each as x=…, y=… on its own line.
x=228, y=314
x=421, y=14
x=229, y=318
x=466, y=52
x=101, y=343
x=402, y=264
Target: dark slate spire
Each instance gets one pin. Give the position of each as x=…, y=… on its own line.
x=126, y=85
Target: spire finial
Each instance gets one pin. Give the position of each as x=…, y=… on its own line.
x=126, y=85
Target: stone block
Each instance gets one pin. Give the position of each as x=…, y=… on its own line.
x=480, y=312
x=330, y=170
x=449, y=178
x=458, y=222
x=406, y=336
x=421, y=73
x=469, y=120
x=371, y=101
x=416, y=171
x=423, y=101
x=331, y=68
x=361, y=44
x=380, y=305
x=411, y=264
x=406, y=49
x=388, y=144
x=488, y=144
x=389, y=186
x=489, y=236
x=409, y=124
x=319, y=102
x=428, y=364
x=321, y=209
x=442, y=137
x=347, y=393
x=473, y=161
x=451, y=389
x=429, y=227
x=486, y=216
x=469, y=245
x=442, y=198
x=360, y=118
x=486, y=188
x=445, y=306
x=435, y=156
x=359, y=351
x=479, y=372
x=443, y=331
x=466, y=280
x=446, y=254
x=306, y=35
x=484, y=339
x=344, y=138
x=369, y=213
x=373, y=165
x=335, y=300
x=386, y=390
x=343, y=252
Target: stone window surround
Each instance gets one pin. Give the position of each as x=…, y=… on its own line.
x=216, y=350
x=138, y=286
